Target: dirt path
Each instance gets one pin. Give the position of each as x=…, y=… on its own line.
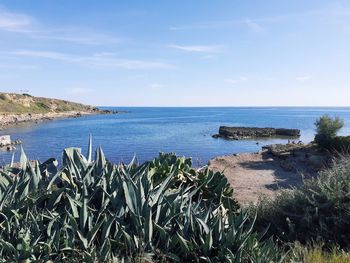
x=254, y=175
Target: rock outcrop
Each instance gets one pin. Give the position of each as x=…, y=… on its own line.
x=238, y=133
x=293, y=156
x=7, y=144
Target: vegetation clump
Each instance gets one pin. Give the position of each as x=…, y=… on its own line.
x=317, y=211
x=328, y=127
x=164, y=210
x=326, y=136
x=95, y=211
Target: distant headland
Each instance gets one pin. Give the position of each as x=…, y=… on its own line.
x=20, y=108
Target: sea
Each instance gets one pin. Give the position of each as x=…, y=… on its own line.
x=146, y=131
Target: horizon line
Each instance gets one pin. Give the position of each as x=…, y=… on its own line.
x=226, y=106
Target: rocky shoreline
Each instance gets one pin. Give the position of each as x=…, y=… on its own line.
x=239, y=133
x=12, y=120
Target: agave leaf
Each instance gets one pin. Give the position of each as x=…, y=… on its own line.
x=93, y=232
x=129, y=196
x=173, y=257
x=106, y=229
x=83, y=239
x=73, y=206
x=52, y=181
x=100, y=160
x=182, y=242
x=8, y=247
x=156, y=195
x=209, y=240
x=23, y=159
x=105, y=250
x=84, y=208
x=203, y=224
x=24, y=189
x=12, y=160
x=89, y=153
x=149, y=227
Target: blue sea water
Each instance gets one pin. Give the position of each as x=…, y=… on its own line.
x=148, y=131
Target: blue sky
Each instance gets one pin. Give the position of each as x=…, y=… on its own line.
x=178, y=53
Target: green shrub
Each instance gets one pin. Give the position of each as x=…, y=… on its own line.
x=326, y=130
x=340, y=144
x=327, y=126
x=319, y=210
x=92, y=210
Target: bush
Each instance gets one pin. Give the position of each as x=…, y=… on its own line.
x=93, y=210
x=326, y=130
x=327, y=126
x=340, y=144
x=318, y=210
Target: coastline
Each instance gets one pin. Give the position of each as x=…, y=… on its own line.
x=12, y=120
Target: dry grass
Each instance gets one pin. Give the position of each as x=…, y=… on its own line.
x=11, y=103
x=316, y=254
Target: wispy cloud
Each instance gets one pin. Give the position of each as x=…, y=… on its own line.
x=156, y=86
x=13, y=66
x=42, y=54
x=303, y=78
x=75, y=35
x=16, y=22
x=31, y=28
x=199, y=48
x=254, y=26
x=258, y=24
x=107, y=60
x=234, y=81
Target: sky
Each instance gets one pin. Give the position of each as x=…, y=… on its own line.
x=178, y=53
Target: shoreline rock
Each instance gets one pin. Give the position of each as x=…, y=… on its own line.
x=239, y=133
x=7, y=144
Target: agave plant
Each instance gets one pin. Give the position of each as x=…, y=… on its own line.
x=94, y=211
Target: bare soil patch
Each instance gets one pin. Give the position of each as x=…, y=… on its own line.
x=257, y=175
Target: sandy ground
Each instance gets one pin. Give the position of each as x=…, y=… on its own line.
x=255, y=175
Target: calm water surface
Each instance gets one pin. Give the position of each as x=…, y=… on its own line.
x=147, y=131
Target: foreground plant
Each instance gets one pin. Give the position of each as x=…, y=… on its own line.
x=316, y=253
x=317, y=211
x=92, y=210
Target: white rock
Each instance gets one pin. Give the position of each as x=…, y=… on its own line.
x=5, y=140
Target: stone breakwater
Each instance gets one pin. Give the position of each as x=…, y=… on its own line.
x=239, y=133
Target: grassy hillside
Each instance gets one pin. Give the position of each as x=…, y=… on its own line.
x=11, y=103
